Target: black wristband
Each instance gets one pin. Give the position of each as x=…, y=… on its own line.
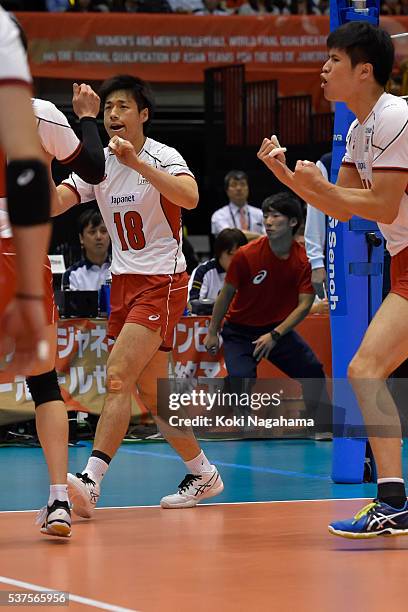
x=275, y=335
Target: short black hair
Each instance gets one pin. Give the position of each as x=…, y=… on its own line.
x=139, y=89
x=91, y=217
x=285, y=203
x=236, y=175
x=227, y=240
x=365, y=43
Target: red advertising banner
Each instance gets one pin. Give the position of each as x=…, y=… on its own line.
x=171, y=48
x=83, y=350
x=177, y=48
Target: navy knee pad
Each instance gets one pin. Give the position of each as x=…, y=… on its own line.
x=44, y=388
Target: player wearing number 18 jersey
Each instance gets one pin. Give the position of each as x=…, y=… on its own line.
x=145, y=228
x=146, y=186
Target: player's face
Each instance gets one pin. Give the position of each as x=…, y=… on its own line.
x=277, y=225
x=238, y=191
x=226, y=258
x=122, y=116
x=338, y=76
x=95, y=241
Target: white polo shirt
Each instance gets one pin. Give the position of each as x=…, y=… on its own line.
x=230, y=216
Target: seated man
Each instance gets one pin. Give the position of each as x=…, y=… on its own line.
x=238, y=213
x=267, y=292
x=93, y=270
x=207, y=279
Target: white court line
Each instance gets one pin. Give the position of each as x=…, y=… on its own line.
x=274, y=501
x=77, y=598
x=402, y=35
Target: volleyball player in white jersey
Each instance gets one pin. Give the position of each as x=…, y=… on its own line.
x=58, y=141
x=372, y=183
x=147, y=184
x=23, y=326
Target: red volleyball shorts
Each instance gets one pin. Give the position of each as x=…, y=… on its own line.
x=154, y=301
x=8, y=280
x=399, y=273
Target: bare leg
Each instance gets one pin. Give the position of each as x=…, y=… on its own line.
x=52, y=423
x=134, y=347
x=384, y=348
x=183, y=441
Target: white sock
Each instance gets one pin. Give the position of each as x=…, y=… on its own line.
x=58, y=491
x=199, y=464
x=96, y=469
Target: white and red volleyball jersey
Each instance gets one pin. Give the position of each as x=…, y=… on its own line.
x=13, y=61
x=13, y=71
x=145, y=228
x=380, y=144
x=57, y=138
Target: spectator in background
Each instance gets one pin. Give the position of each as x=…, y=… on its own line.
x=259, y=7
x=390, y=7
x=304, y=7
x=186, y=6
x=93, y=270
x=234, y=5
x=238, y=213
x=212, y=7
x=88, y=6
x=208, y=278
x=324, y=7
x=145, y=6
x=57, y=6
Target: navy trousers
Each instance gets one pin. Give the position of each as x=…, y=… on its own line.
x=291, y=354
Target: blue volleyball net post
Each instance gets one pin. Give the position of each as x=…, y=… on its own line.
x=354, y=264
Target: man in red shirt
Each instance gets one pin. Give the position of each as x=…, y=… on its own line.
x=266, y=293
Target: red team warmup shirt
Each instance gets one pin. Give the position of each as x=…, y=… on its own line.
x=267, y=287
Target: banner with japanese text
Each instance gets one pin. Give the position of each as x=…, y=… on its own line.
x=83, y=351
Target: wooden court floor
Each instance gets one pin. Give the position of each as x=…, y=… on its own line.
x=220, y=557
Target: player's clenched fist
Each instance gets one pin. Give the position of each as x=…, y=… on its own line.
x=85, y=101
x=124, y=151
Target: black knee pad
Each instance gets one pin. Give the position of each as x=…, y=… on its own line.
x=44, y=388
x=28, y=181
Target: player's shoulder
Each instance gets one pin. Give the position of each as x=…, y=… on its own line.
x=253, y=247
x=391, y=108
x=47, y=111
x=157, y=149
